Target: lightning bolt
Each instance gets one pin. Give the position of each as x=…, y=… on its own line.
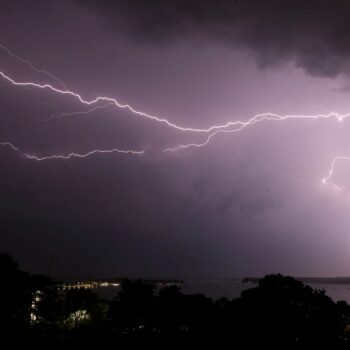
x=10, y=145
x=60, y=115
x=106, y=99
x=216, y=128
x=82, y=155
x=239, y=126
x=229, y=127
x=70, y=155
x=75, y=113
x=327, y=179
x=31, y=66
x=211, y=132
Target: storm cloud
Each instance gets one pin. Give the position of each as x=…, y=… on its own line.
x=248, y=203
x=314, y=35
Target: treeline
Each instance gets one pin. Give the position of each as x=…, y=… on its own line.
x=280, y=312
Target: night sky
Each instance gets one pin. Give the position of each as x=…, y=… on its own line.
x=249, y=202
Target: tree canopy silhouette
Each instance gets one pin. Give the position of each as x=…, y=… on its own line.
x=279, y=312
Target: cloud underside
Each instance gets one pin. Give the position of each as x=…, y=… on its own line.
x=315, y=35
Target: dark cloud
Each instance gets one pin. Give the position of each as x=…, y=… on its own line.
x=313, y=34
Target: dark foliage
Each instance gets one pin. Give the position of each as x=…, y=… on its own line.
x=280, y=312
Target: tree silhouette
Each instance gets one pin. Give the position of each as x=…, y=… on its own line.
x=284, y=311
x=15, y=294
x=133, y=307
x=280, y=312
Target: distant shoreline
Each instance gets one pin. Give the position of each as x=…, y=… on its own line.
x=311, y=280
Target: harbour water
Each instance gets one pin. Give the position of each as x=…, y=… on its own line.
x=232, y=289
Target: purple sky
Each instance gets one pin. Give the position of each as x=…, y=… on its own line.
x=248, y=203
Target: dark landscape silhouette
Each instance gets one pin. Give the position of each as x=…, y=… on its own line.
x=280, y=312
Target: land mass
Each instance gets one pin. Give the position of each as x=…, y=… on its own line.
x=313, y=280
